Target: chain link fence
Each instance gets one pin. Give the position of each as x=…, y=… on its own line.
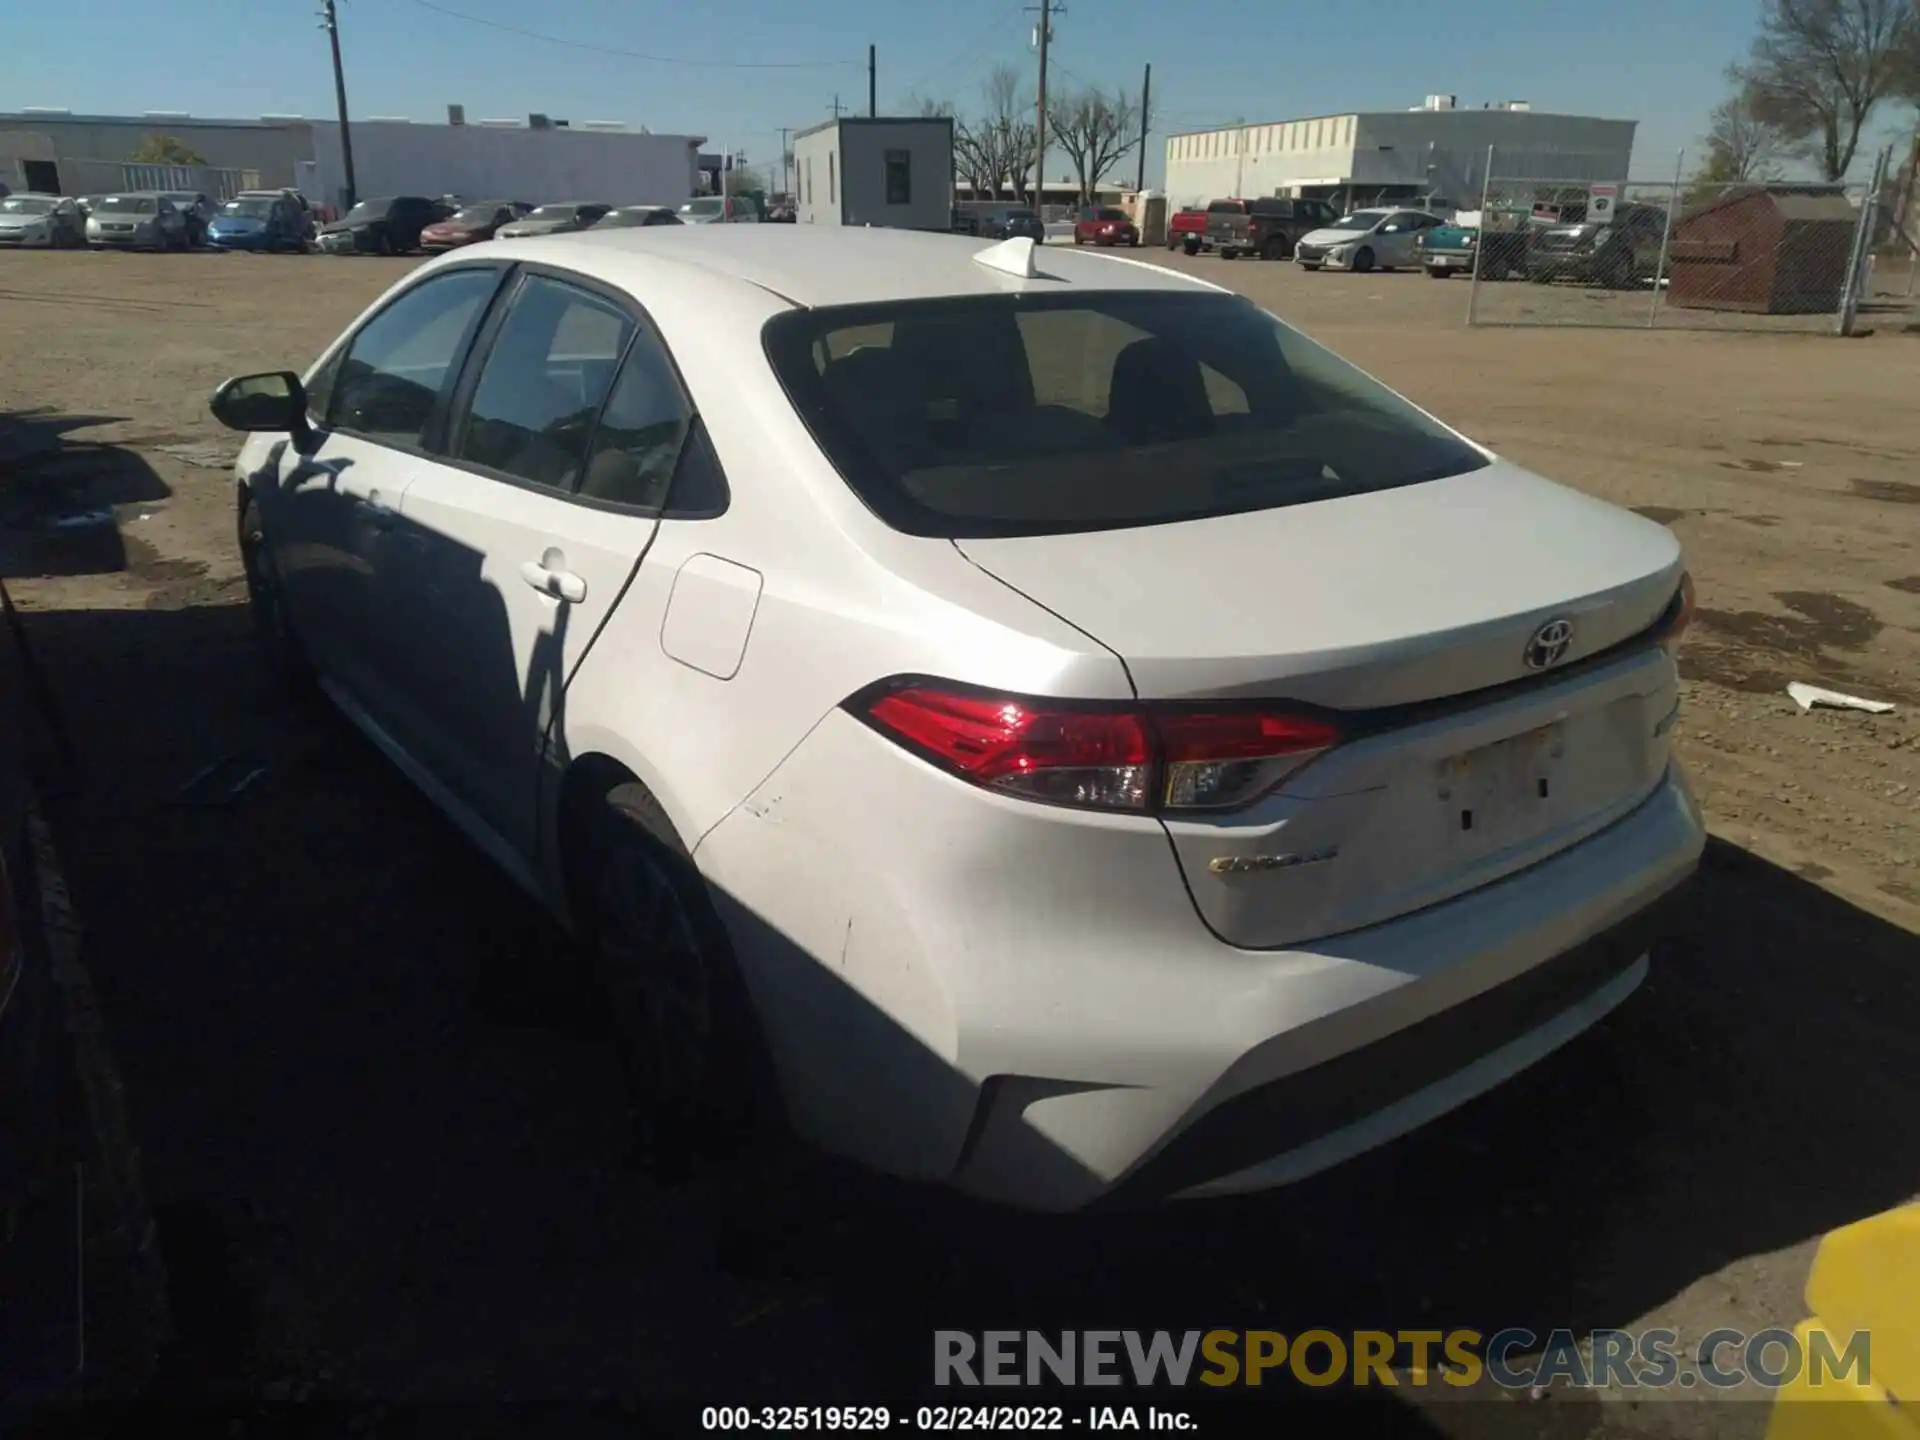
x=1794, y=257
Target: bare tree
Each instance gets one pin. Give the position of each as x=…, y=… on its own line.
x=1095, y=129
x=1741, y=143
x=1820, y=68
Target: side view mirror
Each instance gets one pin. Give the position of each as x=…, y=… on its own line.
x=275, y=401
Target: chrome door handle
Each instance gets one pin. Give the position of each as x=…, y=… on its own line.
x=552, y=580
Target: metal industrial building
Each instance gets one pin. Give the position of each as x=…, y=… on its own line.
x=66, y=154
x=535, y=159
x=895, y=171
x=1436, y=150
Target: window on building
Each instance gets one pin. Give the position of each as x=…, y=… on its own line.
x=808, y=177
x=831, y=200
x=899, y=177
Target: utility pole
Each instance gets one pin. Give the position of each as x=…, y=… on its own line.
x=1146, y=94
x=1047, y=10
x=873, y=74
x=837, y=107
x=330, y=22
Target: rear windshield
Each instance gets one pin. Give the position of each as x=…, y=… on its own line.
x=1035, y=414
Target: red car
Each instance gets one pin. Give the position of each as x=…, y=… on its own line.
x=1101, y=225
x=472, y=224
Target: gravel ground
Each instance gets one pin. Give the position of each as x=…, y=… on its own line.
x=376, y=1126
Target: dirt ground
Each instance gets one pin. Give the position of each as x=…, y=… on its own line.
x=376, y=1125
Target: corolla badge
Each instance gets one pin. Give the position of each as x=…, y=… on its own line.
x=1249, y=864
x=1549, y=645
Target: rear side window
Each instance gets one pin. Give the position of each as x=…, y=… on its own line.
x=1278, y=209
x=549, y=368
x=1226, y=207
x=391, y=374
x=641, y=433
x=1033, y=414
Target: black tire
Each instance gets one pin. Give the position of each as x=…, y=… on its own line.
x=1228, y=253
x=1277, y=247
x=1191, y=246
x=1309, y=264
x=1438, y=272
x=286, y=657
x=697, y=1083
x=1363, y=260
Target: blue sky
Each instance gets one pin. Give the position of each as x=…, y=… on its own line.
x=1656, y=61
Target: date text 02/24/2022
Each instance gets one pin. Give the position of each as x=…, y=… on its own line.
x=942, y=1418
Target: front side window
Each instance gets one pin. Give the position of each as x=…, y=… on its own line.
x=899, y=177
x=393, y=372
x=1027, y=415
x=542, y=383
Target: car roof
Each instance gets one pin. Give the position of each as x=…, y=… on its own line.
x=839, y=265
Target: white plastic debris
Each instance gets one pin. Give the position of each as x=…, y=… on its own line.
x=1808, y=696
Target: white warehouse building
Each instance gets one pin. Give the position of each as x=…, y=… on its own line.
x=1436, y=151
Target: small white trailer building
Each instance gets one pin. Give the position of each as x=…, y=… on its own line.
x=894, y=171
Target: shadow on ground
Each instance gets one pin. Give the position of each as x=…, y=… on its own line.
x=60, y=497
x=381, y=1132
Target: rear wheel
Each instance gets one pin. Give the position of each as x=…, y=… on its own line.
x=1191, y=245
x=1277, y=247
x=1309, y=264
x=1437, y=272
x=660, y=959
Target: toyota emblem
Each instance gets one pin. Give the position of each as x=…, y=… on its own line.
x=1549, y=645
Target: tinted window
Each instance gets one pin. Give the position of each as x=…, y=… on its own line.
x=393, y=371
x=544, y=377
x=1031, y=414
x=1226, y=207
x=899, y=177
x=1280, y=209
x=641, y=433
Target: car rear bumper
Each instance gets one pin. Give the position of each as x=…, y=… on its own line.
x=1019, y=1000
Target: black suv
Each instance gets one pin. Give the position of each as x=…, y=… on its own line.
x=387, y=226
x=1001, y=220
x=1620, y=252
x=1267, y=226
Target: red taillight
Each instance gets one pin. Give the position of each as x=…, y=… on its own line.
x=1101, y=756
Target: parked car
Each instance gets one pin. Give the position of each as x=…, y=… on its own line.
x=1103, y=225
x=718, y=210
x=197, y=210
x=924, y=733
x=1187, y=230
x=259, y=223
x=310, y=220
x=52, y=222
x=472, y=224
x=1365, y=240
x=556, y=219
x=137, y=221
x=1003, y=220
x=1268, y=226
x=390, y=225
x=632, y=217
x=1620, y=252
x=1451, y=249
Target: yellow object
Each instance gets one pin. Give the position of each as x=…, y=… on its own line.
x=1865, y=1278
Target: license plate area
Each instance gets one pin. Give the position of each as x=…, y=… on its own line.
x=1495, y=795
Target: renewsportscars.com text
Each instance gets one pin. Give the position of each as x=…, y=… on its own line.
x=1513, y=1358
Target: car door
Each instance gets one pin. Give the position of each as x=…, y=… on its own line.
x=331, y=514
x=532, y=529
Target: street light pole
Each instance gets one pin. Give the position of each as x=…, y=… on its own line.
x=330, y=22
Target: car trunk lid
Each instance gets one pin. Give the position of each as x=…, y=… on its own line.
x=1418, y=616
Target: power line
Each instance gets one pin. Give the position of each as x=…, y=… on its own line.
x=973, y=51
x=636, y=54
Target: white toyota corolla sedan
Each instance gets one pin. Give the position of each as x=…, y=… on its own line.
x=1048, y=723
